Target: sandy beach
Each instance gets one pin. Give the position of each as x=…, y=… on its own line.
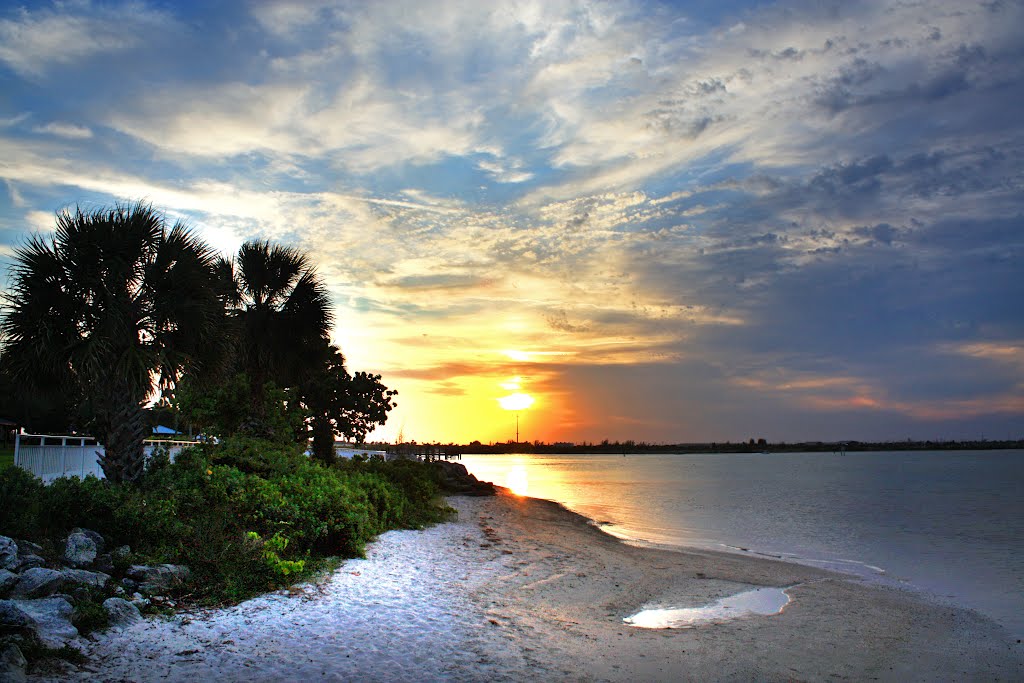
x=521, y=589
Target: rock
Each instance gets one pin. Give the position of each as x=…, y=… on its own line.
x=95, y=536
x=78, y=596
x=128, y=584
x=153, y=579
x=121, y=612
x=104, y=563
x=49, y=619
x=7, y=581
x=8, y=553
x=29, y=561
x=85, y=578
x=37, y=582
x=11, y=616
x=81, y=549
x=29, y=548
x=29, y=556
x=121, y=553
x=456, y=479
x=140, y=601
x=13, y=665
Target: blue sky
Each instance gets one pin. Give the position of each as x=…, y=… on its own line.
x=663, y=221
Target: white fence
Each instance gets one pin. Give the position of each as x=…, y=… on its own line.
x=50, y=457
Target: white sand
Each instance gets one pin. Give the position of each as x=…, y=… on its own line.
x=402, y=614
x=520, y=590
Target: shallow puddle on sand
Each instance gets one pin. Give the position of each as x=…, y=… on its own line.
x=758, y=601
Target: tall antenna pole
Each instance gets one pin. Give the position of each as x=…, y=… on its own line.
x=517, y=427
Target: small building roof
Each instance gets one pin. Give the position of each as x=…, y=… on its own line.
x=160, y=429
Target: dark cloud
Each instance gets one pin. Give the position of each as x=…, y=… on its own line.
x=559, y=320
x=882, y=233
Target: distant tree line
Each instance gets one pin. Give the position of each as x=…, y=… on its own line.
x=751, y=446
x=116, y=310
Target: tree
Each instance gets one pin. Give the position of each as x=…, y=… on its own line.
x=223, y=408
x=281, y=314
x=110, y=307
x=337, y=402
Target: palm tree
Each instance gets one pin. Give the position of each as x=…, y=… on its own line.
x=112, y=306
x=282, y=316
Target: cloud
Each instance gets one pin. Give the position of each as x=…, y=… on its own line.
x=32, y=41
x=509, y=172
x=760, y=210
x=64, y=130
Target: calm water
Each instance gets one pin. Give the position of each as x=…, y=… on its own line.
x=947, y=523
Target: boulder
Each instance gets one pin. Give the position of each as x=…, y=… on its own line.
x=85, y=578
x=29, y=561
x=121, y=612
x=156, y=578
x=11, y=617
x=29, y=556
x=37, y=582
x=107, y=562
x=7, y=581
x=456, y=479
x=49, y=619
x=81, y=549
x=13, y=666
x=104, y=563
x=96, y=537
x=8, y=553
x=28, y=547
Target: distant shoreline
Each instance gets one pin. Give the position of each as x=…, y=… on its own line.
x=640, y=448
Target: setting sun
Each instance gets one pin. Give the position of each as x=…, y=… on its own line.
x=517, y=401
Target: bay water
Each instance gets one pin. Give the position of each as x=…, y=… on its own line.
x=946, y=523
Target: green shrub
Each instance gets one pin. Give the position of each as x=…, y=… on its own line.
x=244, y=515
x=89, y=616
x=21, y=494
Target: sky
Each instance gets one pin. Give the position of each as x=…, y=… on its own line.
x=660, y=221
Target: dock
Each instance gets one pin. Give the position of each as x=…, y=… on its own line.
x=424, y=452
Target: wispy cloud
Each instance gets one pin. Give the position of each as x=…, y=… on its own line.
x=64, y=130
x=32, y=41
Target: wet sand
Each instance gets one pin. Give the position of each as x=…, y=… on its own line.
x=569, y=586
x=521, y=589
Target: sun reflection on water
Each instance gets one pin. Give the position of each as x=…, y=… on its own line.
x=517, y=481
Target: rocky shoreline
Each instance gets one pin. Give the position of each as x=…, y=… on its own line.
x=41, y=601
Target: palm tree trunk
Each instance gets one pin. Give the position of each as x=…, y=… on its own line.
x=323, y=440
x=124, y=459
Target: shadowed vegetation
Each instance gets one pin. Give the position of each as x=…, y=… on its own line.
x=245, y=515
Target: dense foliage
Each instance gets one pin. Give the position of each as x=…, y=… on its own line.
x=115, y=305
x=245, y=515
x=113, y=300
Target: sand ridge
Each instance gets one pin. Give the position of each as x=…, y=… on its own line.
x=521, y=589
